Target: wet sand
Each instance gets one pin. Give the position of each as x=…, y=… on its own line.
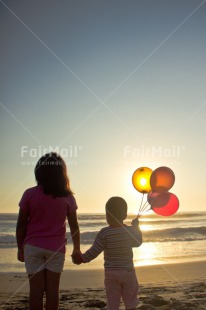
x=173, y=286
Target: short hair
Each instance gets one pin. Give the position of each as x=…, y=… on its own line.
x=117, y=207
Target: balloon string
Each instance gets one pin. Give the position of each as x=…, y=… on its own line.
x=140, y=205
x=143, y=206
x=146, y=204
x=146, y=210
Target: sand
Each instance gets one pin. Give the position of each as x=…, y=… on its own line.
x=172, y=286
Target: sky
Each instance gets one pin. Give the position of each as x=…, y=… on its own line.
x=111, y=86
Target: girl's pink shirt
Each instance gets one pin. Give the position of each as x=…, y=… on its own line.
x=46, y=227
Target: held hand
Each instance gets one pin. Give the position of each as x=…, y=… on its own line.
x=20, y=255
x=135, y=222
x=77, y=257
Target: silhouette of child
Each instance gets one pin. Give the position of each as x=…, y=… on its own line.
x=41, y=230
x=117, y=241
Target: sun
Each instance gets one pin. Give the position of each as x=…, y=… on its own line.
x=143, y=181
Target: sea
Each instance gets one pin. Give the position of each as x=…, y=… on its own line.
x=174, y=239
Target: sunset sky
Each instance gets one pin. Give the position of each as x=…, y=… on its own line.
x=110, y=85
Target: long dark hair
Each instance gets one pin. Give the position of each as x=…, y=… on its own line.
x=51, y=174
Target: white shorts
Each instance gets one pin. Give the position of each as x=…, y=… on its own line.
x=121, y=283
x=38, y=259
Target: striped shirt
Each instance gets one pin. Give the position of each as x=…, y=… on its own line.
x=117, y=244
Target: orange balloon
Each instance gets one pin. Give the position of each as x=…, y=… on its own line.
x=141, y=179
x=162, y=179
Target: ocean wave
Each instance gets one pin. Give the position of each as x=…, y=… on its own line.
x=164, y=221
x=92, y=223
x=158, y=235
x=7, y=241
x=89, y=223
x=175, y=234
x=174, y=216
x=88, y=220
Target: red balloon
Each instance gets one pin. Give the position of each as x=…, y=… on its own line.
x=169, y=208
x=162, y=179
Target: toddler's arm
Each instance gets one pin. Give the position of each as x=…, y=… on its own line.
x=136, y=233
x=95, y=250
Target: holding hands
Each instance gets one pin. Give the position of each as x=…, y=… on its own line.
x=77, y=258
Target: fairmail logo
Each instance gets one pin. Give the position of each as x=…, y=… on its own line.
x=30, y=155
x=174, y=151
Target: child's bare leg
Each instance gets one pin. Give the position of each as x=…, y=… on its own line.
x=37, y=287
x=52, y=290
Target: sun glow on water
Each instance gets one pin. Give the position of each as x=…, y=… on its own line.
x=146, y=254
x=145, y=227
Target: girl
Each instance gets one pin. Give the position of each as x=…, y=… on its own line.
x=41, y=230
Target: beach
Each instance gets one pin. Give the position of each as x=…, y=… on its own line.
x=170, y=265
x=170, y=286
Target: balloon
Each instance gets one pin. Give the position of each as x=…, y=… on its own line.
x=162, y=179
x=159, y=200
x=151, y=195
x=171, y=206
x=141, y=179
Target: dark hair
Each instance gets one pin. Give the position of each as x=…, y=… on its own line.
x=51, y=174
x=117, y=207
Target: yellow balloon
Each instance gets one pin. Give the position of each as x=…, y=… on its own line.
x=141, y=179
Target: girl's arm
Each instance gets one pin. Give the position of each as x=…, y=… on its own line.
x=75, y=234
x=21, y=233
